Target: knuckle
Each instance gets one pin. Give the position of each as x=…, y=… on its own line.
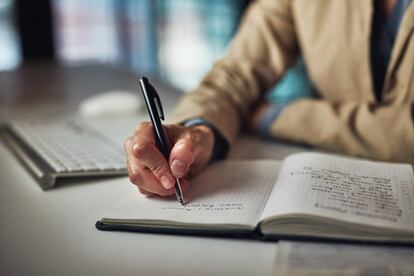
x=189, y=144
x=134, y=178
x=138, y=128
x=140, y=149
x=127, y=144
x=144, y=126
x=186, y=143
x=196, y=136
x=184, y=150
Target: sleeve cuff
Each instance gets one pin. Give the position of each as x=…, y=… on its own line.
x=268, y=118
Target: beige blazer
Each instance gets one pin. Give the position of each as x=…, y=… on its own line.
x=334, y=39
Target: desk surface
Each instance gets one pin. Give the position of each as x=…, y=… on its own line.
x=53, y=232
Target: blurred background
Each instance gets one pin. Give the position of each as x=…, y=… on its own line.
x=175, y=41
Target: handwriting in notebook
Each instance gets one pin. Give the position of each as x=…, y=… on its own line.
x=346, y=191
x=213, y=207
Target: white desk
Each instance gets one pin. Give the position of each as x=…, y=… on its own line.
x=53, y=232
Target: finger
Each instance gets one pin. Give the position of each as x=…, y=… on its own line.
x=145, y=181
x=143, y=178
x=132, y=162
x=149, y=156
x=145, y=150
x=128, y=146
x=133, y=167
x=193, y=149
x=150, y=184
x=143, y=133
x=144, y=192
x=182, y=157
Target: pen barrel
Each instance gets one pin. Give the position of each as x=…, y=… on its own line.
x=155, y=113
x=153, y=102
x=162, y=141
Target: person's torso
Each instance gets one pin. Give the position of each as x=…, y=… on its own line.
x=335, y=41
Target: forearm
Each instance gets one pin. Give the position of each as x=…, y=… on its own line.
x=263, y=48
x=384, y=132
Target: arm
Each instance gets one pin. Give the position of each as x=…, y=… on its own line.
x=262, y=50
x=264, y=47
x=379, y=131
x=260, y=53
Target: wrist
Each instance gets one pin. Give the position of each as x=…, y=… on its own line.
x=268, y=117
x=219, y=146
x=206, y=131
x=205, y=137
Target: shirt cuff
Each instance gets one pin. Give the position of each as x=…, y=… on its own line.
x=269, y=117
x=221, y=146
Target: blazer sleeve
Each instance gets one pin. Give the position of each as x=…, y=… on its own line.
x=379, y=131
x=263, y=48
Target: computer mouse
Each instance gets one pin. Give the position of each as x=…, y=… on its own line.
x=111, y=103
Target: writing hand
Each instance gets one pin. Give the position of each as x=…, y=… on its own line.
x=191, y=151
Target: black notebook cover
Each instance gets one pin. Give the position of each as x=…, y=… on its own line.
x=238, y=234
x=230, y=233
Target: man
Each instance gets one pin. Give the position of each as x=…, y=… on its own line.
x=359, y=56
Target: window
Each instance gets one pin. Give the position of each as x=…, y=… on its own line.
x=10, y=56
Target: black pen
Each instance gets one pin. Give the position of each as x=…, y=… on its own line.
x=153, y=102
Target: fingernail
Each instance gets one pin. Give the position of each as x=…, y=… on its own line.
x=134, y=147
x=134, y=169
x=178, y=168
x=166, y=182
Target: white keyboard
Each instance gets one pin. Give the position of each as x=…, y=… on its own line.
x=54, y=149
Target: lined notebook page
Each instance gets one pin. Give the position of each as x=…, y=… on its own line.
x=376, y=193
x=227, y=192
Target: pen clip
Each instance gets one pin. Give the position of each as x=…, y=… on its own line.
x=158, y=104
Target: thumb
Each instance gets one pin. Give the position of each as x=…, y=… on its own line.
x=182, y=157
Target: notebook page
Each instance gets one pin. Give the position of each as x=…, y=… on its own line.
x=227, y=192
x=375, y=193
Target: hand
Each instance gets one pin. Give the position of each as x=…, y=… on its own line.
x=191, y=151
x=257, y=115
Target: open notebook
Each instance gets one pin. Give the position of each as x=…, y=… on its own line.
x=308, y=195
